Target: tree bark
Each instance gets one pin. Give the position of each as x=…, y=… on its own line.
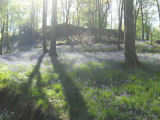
x=53, y=52
x=136, y=16
x=147, y=27
x=158, y=6
x=106, y=13
x=78, y=23
x=131, y=59
x=44, y=26
x=120, y=25
x=32, y=20
x=8, y=41
x=111, y=16
x=2, y=34
x=151, y=39
x=99, y=19
x=68, y=6
x=142, y=17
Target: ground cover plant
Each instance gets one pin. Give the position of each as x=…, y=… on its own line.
x=106, y=89
x=79, y=60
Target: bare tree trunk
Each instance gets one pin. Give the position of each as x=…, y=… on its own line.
x=63, y=13
x=2, y=34
x=99, y=18
x=53, y=52
x=147, y=27
x=106, y=13
x=78, y=23
x=111, y=16
x=102, y=18
x=68, y=5
x=136, y=16
x=131, y=59
x=158, y=6
x=96, y=16
x=32, y=20
x=67, y=11
x=151, y=39
x=8, y=41
x=120, y=25
x=44, y=26
x=141, y=2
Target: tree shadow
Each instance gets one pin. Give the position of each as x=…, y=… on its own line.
x=77, y=107
x=36, y=71
x=33, y=90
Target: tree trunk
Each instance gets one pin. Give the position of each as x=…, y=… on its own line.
x=131, y=59
x=53, y=52
x=78, y=23
x=111, y=16
x=106, y=13
x=141, y=2
x=1, y=43
x=68, y=5
x=120, y=25
x=136, y=16
x=147, y=27
x=32, y=21
x=151, y=39
x=99, y=18
x=96, y=20
x=8, y=41
x=158, y=6
x=44, y=26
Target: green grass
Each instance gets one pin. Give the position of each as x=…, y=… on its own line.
x=93, y=50
x=111, y=93
x=109, y=90
x=63, y=42
x=146, y=47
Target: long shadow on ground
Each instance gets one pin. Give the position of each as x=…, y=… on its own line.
x=77, y=107
x=24, y=101
x=35, y=71
x=28, y=88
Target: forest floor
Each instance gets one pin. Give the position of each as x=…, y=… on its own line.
x=85, y=83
